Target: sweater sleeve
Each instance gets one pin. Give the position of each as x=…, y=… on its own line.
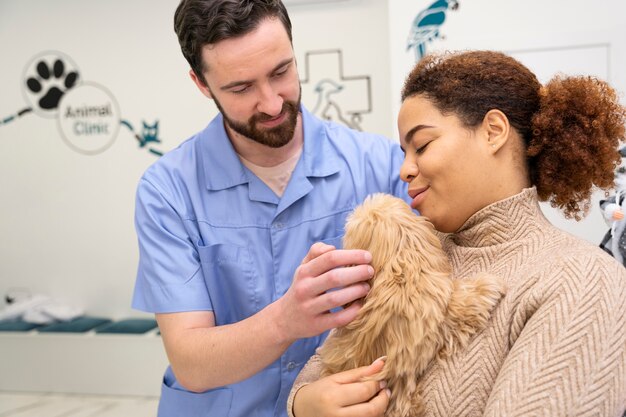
x=310, y=373
x=570, y=357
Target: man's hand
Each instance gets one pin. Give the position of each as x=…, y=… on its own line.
x=344, y=394
x=304, y=310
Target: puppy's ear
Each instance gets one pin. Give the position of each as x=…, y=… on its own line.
x=387, y=227
x=360, y=229
x=374, y=226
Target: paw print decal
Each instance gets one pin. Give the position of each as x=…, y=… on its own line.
x=51, y=96
x=87, y=114
x=47, y=78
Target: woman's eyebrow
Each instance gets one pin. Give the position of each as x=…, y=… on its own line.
x=414, y=130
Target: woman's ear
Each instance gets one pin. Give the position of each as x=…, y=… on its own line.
x=497, y=128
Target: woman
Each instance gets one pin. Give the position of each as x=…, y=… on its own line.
x=484, y=141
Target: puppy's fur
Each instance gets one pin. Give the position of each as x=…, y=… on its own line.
x=414, y=310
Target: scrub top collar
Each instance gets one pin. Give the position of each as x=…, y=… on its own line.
x=223, y=169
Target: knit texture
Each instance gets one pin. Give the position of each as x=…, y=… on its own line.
x=556, y=343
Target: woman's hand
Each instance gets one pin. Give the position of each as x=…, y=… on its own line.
x=344, y=394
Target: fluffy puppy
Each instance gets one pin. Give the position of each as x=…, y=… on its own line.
x=414, y=310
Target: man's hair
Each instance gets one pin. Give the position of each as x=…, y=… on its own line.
x=203, y=22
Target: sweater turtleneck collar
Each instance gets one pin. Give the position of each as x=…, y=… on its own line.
x=503, y=221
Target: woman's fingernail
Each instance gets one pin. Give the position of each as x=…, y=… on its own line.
x=382, y=358
x=382, y=384
x=388, y=391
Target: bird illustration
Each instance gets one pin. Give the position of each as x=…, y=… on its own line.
x=425, y=26
x=324, y=89
x=327, y=108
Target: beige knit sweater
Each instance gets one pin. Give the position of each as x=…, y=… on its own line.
x=555, y=345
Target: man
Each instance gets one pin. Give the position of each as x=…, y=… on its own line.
x=238, y=226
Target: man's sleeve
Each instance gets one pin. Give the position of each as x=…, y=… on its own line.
x=169, y=277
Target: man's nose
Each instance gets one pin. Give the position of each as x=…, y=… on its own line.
x=270, y=102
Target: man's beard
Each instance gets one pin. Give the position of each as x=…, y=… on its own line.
x=274, y=137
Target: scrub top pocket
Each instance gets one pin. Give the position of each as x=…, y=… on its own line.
x=231, y=281
x=336, y=241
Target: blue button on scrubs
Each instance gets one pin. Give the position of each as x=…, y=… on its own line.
x=212, y=236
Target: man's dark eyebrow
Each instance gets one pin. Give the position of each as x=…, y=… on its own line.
x=247, y=82
x=281, y=64
x=414, y=130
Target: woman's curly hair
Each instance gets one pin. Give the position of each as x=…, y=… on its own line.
x=575, y=138
x=572, y=127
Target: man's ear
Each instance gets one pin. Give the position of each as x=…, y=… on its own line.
x=200, y=84
x=497, y=128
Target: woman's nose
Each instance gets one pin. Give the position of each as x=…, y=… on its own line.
x=408, y=171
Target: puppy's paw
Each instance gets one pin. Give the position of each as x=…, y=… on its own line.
x=488, y=288
x=472, y=302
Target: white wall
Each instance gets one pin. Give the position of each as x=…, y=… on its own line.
x=66, y=225
x=359, y=28
x=66, y=217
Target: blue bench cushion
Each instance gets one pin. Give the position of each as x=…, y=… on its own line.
x=17, y=326
x=78, y=325
x=128, y=326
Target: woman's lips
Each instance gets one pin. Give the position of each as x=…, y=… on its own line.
x=417, y=194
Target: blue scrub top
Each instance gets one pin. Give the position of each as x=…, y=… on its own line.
x=212, y=236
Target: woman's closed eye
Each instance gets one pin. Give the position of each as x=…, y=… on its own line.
x=420, y=149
